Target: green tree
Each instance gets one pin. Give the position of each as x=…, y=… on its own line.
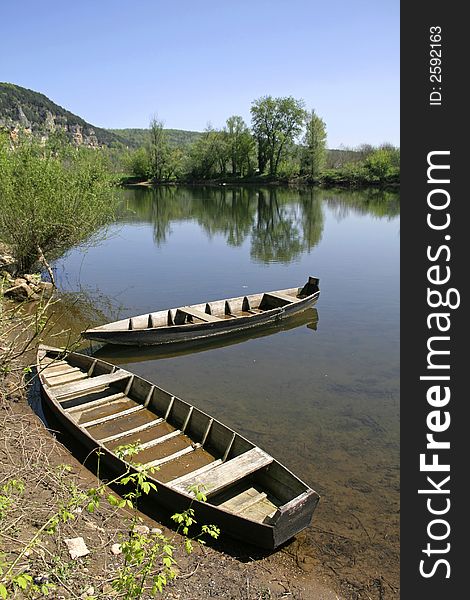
x=315, y=145
x=137, y=162
x=52, y=197
x=240, y=145
x=158, y=149
x=276, y=122
x=209, y=155
x=383, y=162
x=174, y=164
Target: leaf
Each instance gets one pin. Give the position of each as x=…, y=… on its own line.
x=3, y=591
x=21, y=582
x=188, y=546
x=113, y=500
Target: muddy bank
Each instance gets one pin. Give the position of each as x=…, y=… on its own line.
x=226, y=570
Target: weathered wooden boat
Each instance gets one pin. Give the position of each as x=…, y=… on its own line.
x=250, y=495
x=208, y=319
x=116, y=354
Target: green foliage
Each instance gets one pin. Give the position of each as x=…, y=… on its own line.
x=137, y=162
x=240, y=146
x=149, y=563
x=289, y=167
x=136, y=138
x=158, y=150
x=209, y=155
x=315, y=145
x=367, y=166
x=229, y=153
x=383, y=163
x=8, y=492
x=276, y=123
x=52, y=197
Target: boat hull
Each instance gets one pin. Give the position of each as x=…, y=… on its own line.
x=289, y=521
x=199, y=332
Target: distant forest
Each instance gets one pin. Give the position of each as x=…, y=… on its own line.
x=284, y=142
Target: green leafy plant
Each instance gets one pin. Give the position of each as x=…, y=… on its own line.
x=149, y=562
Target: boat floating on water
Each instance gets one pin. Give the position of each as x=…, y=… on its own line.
x=250, y=495
x=208, y=320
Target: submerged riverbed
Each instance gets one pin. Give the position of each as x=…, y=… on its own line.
x=321, y=396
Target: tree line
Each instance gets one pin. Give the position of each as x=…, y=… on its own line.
x=284, y=141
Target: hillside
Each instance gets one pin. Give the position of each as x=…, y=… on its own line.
x=23, y=108
x=33, y=111
x=134, y=138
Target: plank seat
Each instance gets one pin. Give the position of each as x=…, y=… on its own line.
x=52, y=370
x=138, y=429
x=279, y=296
x=159, y=440
x=57, y=380
x=174, y=456
x=90, y=383
x=199, y=314
x=244, y=501
x=215, y=480
x=122, y=413
x=94, y=403
x=173, y=483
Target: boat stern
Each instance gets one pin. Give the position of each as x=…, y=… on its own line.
x=310, y=288
x=291, y=518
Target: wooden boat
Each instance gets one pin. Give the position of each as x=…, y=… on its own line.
x=117, y=354
x=250, y=495
x=208, y=320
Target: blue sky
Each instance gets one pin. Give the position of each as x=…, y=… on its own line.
x=116, y=63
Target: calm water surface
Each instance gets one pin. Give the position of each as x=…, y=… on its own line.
x=324, y=401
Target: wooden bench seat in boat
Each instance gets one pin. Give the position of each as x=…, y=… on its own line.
x=223, y=475
x=279, y=296
x=91, y=383
x=193, y=312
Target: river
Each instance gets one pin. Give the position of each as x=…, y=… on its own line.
x=322, y=395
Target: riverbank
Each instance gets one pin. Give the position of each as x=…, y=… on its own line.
x=32, y=453
x=34, y=458
x=331, y=179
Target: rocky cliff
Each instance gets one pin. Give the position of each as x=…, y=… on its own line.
x=26, y=110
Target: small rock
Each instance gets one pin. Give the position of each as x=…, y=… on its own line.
x=40, y=579
x=88, y=592
x=156, y=531
x=116, y=549
x=32, y=278
x=76, y=547
x=7, y=263
x=45, y=287
x=142, y=529
x=21, y=291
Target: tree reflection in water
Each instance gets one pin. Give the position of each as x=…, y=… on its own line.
x=281, y=222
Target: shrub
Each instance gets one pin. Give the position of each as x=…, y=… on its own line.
x=52, y=197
